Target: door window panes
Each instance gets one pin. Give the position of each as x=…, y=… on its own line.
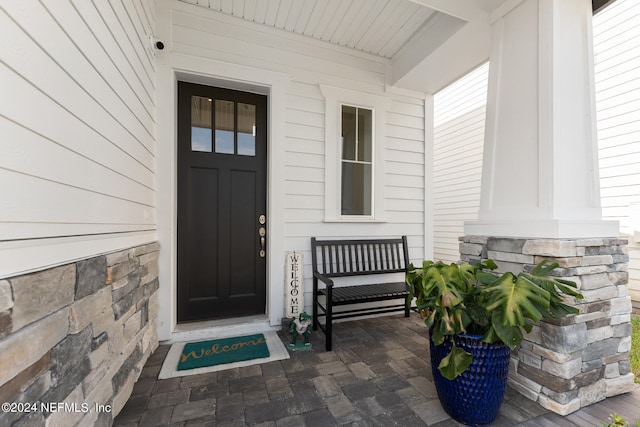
x=225, y=126
x=246, y=129
x=356, y=170
x=234, y=130
x=201, y=124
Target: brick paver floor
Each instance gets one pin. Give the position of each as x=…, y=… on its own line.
x=378, y=375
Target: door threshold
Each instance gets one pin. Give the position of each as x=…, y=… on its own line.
x=210, y=329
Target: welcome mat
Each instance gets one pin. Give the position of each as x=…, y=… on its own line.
x=222, y=353
x=225, y=350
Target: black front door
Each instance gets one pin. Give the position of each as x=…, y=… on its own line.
x=222, y=174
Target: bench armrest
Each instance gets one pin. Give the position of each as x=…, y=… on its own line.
x=323, y=278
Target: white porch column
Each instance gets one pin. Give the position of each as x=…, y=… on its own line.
x=540, y=170
x=540, y=200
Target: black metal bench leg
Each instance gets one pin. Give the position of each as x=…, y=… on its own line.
x=329, y=318
x=406, y=312
x=315, y=304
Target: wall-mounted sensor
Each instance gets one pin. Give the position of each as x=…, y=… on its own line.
x=155, y=43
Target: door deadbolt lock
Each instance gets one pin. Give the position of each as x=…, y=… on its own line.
x=262, y=219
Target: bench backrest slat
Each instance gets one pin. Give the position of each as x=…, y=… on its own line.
x=359, y=257
x=331, y=258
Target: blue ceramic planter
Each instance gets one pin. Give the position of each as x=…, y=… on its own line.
x=475, y=396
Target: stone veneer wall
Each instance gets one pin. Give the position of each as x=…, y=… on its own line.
x=573, y=362
x=78, y=334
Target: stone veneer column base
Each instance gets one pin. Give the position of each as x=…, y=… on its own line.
x=573, y=362
x=77, y=336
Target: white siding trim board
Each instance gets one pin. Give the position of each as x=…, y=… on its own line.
x=26, y=256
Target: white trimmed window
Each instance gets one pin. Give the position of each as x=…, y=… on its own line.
x=354, y=147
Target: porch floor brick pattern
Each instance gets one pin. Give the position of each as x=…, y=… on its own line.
x=379, y=374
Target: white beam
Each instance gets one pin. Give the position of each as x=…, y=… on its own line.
x=438, y=29
x=462, y=52
x=503, y=9
x=462, y=9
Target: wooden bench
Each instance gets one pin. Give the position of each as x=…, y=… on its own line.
x=343, y=258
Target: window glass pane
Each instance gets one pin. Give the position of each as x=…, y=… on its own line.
x=200, y=124
x=246, y=129
x=356, y=189
x=365, y=130
x=348, y=132
x=225, y=127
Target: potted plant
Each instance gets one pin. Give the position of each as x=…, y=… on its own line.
x=475, y=317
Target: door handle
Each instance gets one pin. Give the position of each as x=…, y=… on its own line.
x=263, y=232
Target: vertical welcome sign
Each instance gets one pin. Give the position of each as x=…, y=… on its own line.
x=294, y=294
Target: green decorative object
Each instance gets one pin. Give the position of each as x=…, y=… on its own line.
x=301, y=327
x=221, y=351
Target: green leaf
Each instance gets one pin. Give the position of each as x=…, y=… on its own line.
x=439, y=288
x=557, y=308
x=510, y=335
x=468, y=277
x=515, y=297
x=429, y=320
x=490, y=336
x=544, y=268
x=436, y=336
x=489, y=264
x=478, y=314
x=485, y=277
x=455, y=363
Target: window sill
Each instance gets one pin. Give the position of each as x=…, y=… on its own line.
x=356, y=220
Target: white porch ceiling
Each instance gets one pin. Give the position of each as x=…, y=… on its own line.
x=380, y=27
x=406, y=32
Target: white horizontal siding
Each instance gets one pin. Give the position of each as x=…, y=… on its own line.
x=77, y=124
x=459, y=116
x=617, y=75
